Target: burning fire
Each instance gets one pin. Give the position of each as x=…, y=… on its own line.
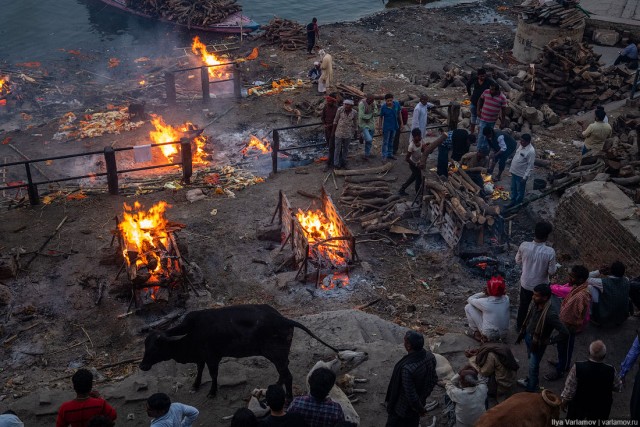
x=317, y=228
x=256, y=144
x=144, y=232
x=208, y=58
x=167, y=133
x=142, y=82
x=4, y=84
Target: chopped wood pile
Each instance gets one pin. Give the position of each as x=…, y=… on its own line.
x=619, y=163
x=565, y=15
x=198, y=13
x=372, y=203
x=290, y=35
x=460, y=197
x=568, y=77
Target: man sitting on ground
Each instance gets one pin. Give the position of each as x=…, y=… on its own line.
x=628, y=55
x=469, y=395
x=278, y=417
x=86, y=405
x=488, y=312
x=317, y=408
x=167, y=414
x=609, y=295
x=314, y=73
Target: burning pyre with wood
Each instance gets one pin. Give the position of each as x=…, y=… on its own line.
x=319, y=237
x=151, y=254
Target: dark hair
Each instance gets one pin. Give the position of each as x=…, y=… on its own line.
x=471, y=138
x=481, y=71
x=314, y=20
x=159, y=402
x=82, y=381
x=600, y=115
x=599, y=107
x=525, y=137
x=320, y=383
x=9, y=412
x=415, y=339
x=543, y=229
x=494, y=84
x=486, y=131
x=101, y=421
x=580, y=272
x=275, y=397
x=244, y=418
x=543, y=289
x=345, y=424
x=388, y=95
x=617, y=269
x=416, y=132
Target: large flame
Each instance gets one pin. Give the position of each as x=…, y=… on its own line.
x=317, y=228
x=256, y=144
x=144, y=232
x=4, y=84
x=208, y=58
x=167, y=133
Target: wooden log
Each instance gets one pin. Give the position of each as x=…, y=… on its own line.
x=627, y=181
x=459, y=209
x=435, y=186
x=378, y=169
x=468, y=179
x=369, y=179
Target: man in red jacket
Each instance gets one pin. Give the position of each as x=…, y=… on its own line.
x=87, y=404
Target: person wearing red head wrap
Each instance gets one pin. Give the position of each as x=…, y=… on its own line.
x=488, y=312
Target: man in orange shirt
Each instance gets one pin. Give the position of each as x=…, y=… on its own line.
x=87, y=404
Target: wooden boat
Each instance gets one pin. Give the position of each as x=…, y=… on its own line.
x=234, y=23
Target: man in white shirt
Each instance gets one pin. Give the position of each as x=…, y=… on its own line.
x=420, y=115
x=488, y=312
x=167, y=414
x=538, y=263
x=521, y=167
x=469, y=395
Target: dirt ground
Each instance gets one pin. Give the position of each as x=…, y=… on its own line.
x=412, y=282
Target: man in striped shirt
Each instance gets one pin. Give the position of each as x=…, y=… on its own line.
x=491, y=106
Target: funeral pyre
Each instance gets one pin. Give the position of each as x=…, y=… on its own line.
x=320, y=237
x=91, y=125
x=215, y=70
x=150, y=250
x=165, y=133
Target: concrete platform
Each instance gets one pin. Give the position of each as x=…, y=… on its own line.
x=614, y=14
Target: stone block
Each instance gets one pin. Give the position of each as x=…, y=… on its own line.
x=606, y=37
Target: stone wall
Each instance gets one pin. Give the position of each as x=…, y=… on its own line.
x=597, y=224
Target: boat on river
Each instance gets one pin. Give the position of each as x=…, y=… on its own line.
x=235, y=23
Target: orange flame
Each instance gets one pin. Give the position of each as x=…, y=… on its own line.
x=208, y=58
x=255, y=144
x=167, y=133
x=318, y=228
x=142, y=82
x=143, y=231
x=4, y=84
x=337, y=279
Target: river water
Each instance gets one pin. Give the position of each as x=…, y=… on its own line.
x=40, y=30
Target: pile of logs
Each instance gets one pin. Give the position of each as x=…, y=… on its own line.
x=371, y=202
x=565, y=15
x=197, y=13
x=461, y=198
x=620, y=162
x=568, y=77
x=288, y=34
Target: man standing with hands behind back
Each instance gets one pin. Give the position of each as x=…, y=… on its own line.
x=412, y=381
x=538, y=262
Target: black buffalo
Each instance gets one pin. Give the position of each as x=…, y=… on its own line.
x=206, y=336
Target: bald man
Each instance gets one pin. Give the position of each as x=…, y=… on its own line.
x=588, y=391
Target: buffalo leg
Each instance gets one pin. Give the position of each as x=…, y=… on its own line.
x=213, y=364
x=285, y=377
x=198, y=381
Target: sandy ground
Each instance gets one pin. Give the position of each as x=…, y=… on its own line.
x=50, y=306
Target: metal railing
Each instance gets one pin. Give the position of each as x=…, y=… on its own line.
x=111, y=166
x=275, y=147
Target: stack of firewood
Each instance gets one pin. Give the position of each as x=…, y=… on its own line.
x=288, y=34
x=461, y=198
x=565, y=15
x=372, y=203
x=199, y=13
x=619, y=163
x=569, y=78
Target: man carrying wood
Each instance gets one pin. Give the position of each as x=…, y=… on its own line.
x=492, y=106
x=521, y=167
x=345, y=128
x=502, y=146
x=417, y=155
